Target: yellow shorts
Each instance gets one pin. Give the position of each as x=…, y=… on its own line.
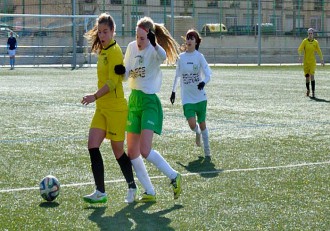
x=309, y=69
x=113, y=122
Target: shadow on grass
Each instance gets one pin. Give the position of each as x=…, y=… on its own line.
x=202, y=166
x=49, y=204
x=132, y=217
x=319, y=100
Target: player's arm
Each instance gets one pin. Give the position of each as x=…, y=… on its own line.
x=175, y=82
x=206, y=70
x=319, y=52
x=301, y=48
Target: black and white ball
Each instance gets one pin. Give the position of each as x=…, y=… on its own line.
x=49, y=188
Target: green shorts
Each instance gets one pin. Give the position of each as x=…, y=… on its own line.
x=144, y=112
x=195, y=109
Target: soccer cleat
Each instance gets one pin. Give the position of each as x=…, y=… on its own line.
x=96, y=197
x=131, y=195
x=198, y=139
x=176, y=184
x=307, y=93
x=146, y=198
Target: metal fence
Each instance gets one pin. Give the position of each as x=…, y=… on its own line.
x=57, y=26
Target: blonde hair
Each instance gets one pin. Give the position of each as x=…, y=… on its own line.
x=92, y=35
x=164, y=38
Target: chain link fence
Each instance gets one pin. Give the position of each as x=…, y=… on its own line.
x=51, y=31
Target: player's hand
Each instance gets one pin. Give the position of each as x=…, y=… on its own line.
x=120, y=69
x=201, y=85
x=172, y=99
x=88, y=99
x=152, y=38
x=322, y=62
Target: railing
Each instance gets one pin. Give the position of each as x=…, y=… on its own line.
x=61, y=56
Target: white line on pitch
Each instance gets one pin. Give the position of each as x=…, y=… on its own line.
x=186, y=174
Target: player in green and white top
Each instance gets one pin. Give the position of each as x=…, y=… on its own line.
x=194, y=73
x=308, y=47
x=109, y=120
x=143, y=58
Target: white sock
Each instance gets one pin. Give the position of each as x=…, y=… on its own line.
x=205, y=136
x=162, y=165
x=197, y=129
x=142, y=175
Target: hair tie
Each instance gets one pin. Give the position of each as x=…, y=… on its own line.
x=143, y=28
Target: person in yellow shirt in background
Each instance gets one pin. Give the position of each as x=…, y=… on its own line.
x=308, y=47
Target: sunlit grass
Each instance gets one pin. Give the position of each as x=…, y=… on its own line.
x=269, y=169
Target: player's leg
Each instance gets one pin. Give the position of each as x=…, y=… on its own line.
x=95, y=139
x=152, y=122
x=307, y=77
x=133, y=144
x=133, y=129
x=116, y=124
x=201, y=117
x=313, y=79
x=190, y=114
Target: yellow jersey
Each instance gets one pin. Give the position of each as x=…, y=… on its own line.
x=309, y=47
x=107, y=60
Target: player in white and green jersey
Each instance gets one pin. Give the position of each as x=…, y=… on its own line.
x=143, y=58
x=194, y=73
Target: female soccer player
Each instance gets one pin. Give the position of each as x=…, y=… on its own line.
x=309, y=46
x=190, y=67
x=143, y=58
x=11, y=48
x=110, y=116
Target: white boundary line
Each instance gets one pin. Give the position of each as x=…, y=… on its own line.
x=186, y=174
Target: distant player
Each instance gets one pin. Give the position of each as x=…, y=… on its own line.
x=309, y=46
x=194, y=73
x=11, y=48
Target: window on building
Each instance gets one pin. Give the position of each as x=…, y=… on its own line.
x=188, y=3
x=318, y=5
x=231, y=21
x=165, y=2
x=116, y=2
x=212, y=4
x=298, y=4
x=316, y=22
x=139, y=2
x=278, y=4
x=234, y=4
x=276, y=21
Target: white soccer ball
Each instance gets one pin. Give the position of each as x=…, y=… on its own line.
x=49, y=188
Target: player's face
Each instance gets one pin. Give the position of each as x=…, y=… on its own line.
x=105, y=34
x=191, y=43
x=141, y=38
x=310, y=35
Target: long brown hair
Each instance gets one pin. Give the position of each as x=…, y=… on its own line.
x=164, y=38
x=92, y=35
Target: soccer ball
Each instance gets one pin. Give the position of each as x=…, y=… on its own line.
x=49, y=188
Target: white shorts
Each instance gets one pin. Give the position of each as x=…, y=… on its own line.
x=11, y=52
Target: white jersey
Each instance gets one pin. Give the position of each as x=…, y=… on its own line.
x=143, y=67
x=189, y=70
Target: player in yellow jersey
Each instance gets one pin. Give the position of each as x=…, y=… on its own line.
x=308, y=47
x=110, y=116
